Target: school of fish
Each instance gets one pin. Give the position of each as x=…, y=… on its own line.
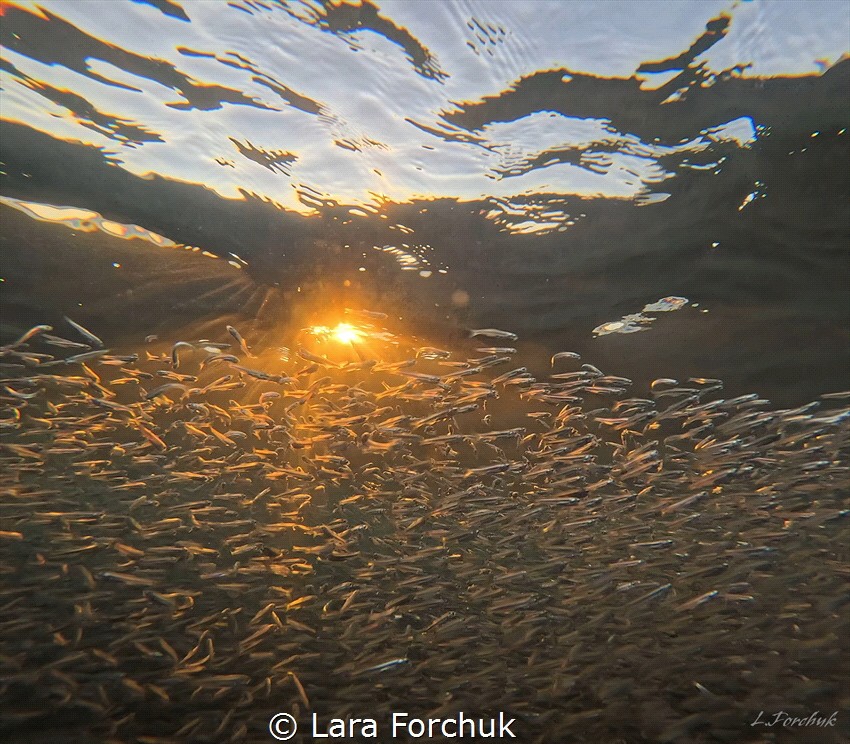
x=198, y=536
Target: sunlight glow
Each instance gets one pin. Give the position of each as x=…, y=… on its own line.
x=345, y=333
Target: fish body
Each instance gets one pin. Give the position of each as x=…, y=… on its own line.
x=239, y=340
x=85, y=333
x=493, y=333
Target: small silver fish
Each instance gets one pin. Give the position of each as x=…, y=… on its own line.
x=219, y=358
x=564, y=355
x=304, y=354
x=508, y=375
x=367, y=314
x=78, y=358
x=175, y=359
x=86, y=334
x=497, y=350
x=63, y=343
x=493, y=333
x=429, y=352
x=385, y=665
x=29, y=334
x=168, y=386
x=239, y=340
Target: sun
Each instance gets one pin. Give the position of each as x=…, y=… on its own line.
x=346, y=334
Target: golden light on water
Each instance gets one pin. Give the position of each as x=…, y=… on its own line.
x=343, y=342
x=346, y=333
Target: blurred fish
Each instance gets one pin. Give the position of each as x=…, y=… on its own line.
x=493, y=333
x=239, y=340
x=86, y=334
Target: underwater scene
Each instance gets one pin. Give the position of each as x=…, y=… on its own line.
x=425, y=370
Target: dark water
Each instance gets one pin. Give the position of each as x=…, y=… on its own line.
x=543, y=168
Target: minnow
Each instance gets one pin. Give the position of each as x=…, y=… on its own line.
x=175, y=359
x=705, y=381
x=257, y=374
x=564, y=355
x=304, y=354
x=382, y=667
x=368, y=314
x=493, y=333
x=385, y=367
x=662, y=381
x=239, y=340
x=150, y=436
x=741, y=399
x=362, y=366
x=113, y=406
x=86, y=334
x=78, y=358
x=63, y=343
x=505, y=434
x=169, y=375
x=492, y=361
x=431, y=353
x=28, y=335
x=23, y=450
x=445, y=439
x=317, y=384
x=22, y=396
x=612, y=380
x=499, y=467
x=462, y=373
x=836, y=396
x=30, y=360
x=580, y=375
x=219, y=358
x=168, y=386
x=91, y=374
x=651, y=595
x=194, y=430
x=222, y=438
x=127, y=578
x=420, y=377
x=508, y=375
x=694, y=603
x=298, y=686
x=524, y=379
